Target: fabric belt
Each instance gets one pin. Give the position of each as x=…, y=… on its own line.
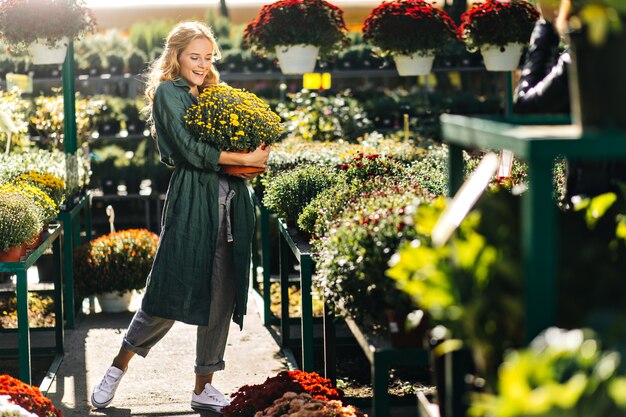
x=226, y=200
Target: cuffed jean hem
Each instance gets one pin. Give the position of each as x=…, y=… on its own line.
x=143, y=352
x=209, y=369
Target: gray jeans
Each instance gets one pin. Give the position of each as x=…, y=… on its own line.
x=145, y=331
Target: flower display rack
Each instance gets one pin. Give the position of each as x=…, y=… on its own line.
x=293, y=246
x=24, y=350
x=264, y=241
x=538, y=141
x=380, y=354
x=71, y=220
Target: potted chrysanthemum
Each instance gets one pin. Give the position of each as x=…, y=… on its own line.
x=411, y=31
x=114, y=265
x=500, y=30
x=297, y=31
x=234, y=120
x=44, y=26
x=19, y=222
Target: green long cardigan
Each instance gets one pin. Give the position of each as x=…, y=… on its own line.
x=178, y=286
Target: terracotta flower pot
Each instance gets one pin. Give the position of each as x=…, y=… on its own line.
x=238, y=169
x=12, y=254
x=36, y=241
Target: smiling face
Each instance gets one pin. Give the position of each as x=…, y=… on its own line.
x=195, y=61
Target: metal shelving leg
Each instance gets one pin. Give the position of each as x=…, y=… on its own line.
x=266, y=260
x=23, y=326
x=330, y=340
x=58, y=298
x=87, y=211
x=380, y=382
x=455, y=168
x=306, y=321
x=539, y=242
x=283, y=254
x=68, y=270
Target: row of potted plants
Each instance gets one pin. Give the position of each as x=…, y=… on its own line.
x=72, y=169
x=410, y=31
x=28, y=203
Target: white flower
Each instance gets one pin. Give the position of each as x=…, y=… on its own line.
x=6, y=121
x=8, y=409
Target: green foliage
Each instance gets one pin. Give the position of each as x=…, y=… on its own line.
x=352, y=257
x=116, y=262
x=19, y=222
x=361, y=176
x=47, y=119
x=289, y=192
x=592, y=245
x=149, y=36
x=601, y=18
x=473, y=284
x=562, y=373
x=295, y=151
x=220, y=25
x=431, y=170
x=313, y=116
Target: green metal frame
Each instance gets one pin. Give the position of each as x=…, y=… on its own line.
x=24, y=349
x=266, y=259
x=382, y=356
x=71, y=218
x=264, y=226
x=291, y=246
x=71, y=230
x=538, y=141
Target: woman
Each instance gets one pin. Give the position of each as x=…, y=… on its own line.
x=194, y=278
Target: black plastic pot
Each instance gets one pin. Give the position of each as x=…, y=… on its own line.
x=597, y=87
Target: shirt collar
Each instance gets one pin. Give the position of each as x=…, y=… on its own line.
x=180, y=82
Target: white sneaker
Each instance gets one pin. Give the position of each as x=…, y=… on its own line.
x=209, y=399
x=104, y=392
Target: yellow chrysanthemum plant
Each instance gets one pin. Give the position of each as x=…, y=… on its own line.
x=48, y=183
x=232, y=119
x=45, y=207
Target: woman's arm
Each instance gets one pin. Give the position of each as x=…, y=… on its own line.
x=257, y=158
x=543, y=87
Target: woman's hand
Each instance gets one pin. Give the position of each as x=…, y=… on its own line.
x=258, y=158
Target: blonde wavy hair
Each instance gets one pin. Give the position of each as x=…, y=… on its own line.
x=166, y=67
